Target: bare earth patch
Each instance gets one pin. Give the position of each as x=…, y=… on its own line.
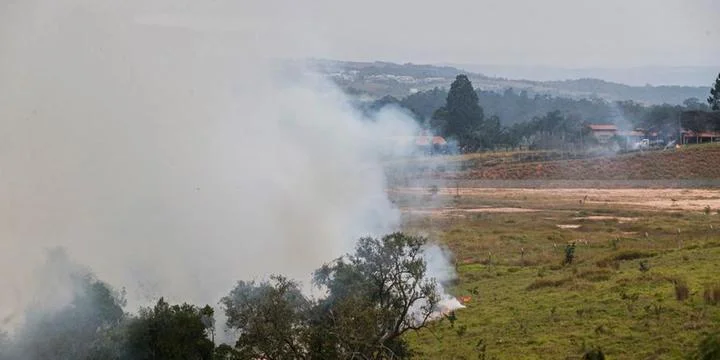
x=655, y=199
x=496, y=210
x=460, y=212
x=568, y=226
x=603, y=218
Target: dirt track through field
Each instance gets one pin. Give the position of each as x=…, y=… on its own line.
x=655, y=199
x=456, y=211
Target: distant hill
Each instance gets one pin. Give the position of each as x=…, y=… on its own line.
x=378, y=79
x=634, y=76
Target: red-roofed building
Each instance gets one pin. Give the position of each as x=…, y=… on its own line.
x=603, y=132
x=699, y=137
x=603, y=127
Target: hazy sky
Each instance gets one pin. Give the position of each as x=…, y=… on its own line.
x=569, y=33
x=573, y=33
x=566, y=33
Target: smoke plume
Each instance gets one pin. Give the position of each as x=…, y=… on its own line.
x=161, y=145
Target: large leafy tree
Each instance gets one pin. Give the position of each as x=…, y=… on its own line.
x=462, y=117
x=714, y=99
x=271, y=318
x=373, y=297
x=170, y=332
x=385, y=279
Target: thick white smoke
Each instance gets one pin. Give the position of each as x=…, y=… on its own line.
x=173, y=157
x=438, y=266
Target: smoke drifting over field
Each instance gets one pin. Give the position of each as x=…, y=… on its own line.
x=169, y=155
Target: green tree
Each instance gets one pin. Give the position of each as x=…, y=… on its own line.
x=714, y=99
x=376, y=295
x=461, y=117
x=373, y=297
x=169, y=332
x=271, y=318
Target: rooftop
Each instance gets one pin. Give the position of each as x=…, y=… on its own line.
x=603, y=127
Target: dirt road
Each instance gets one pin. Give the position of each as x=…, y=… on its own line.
x=658, y=199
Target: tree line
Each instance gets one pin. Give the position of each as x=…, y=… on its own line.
x=481, y=120
x=371, y=298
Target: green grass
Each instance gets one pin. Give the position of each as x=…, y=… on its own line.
x=527, y=305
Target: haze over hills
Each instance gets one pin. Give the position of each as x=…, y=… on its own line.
x=633, y=76
x=378, y=79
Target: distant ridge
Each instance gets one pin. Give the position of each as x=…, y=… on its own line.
x=378, y=79
x=633, y=76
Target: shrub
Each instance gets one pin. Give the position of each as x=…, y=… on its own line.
x=644, y=266
x=712, y=294
x=594, y=354
x=569, y=253
x=682, y=291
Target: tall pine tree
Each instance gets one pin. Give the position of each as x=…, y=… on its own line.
x=462, y=117
x=714, y=99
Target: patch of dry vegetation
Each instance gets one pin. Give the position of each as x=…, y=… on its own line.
x=692, y=162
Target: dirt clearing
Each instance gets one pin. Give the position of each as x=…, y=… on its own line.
x=657, y=199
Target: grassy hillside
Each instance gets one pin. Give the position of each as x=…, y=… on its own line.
x=525, y=304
